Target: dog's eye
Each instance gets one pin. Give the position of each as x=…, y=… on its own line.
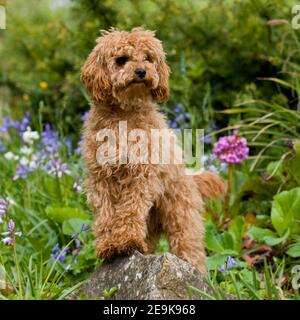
x=121, y=60
x=148, y=58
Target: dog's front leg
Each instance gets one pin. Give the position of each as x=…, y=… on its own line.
x=120, y=222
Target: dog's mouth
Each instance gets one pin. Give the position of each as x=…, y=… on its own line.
x=138, y=81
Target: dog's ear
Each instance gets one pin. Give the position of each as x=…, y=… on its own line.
x=161, y=93
x=95, y=78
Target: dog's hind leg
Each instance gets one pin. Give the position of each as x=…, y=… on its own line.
x=180, y=215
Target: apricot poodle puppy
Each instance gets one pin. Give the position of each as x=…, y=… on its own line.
x=126, y=76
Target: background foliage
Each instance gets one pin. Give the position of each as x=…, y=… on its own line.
x=235, y=65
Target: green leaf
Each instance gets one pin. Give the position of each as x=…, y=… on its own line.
x=212, y=238
x=266, y=236
x=294, y=250
x=236, y=232
x=274, y=241
x=60, y=214
x=259, y=234
x=285, y=213
x=72, y=226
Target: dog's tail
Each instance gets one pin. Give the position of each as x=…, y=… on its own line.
x=209, y=184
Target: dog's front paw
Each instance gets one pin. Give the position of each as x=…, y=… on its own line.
x=110, y=248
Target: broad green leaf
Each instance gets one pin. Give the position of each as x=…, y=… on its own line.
x=274, y=241
x=285, y=213
x=259, y=234
x=294, y=250
x=236, y=232
x=212, y=238
x=266, y=236
x=72, y=226
x=60, y=214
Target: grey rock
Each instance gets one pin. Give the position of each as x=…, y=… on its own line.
x=145, y=277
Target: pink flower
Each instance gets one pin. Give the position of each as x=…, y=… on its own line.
x=11, y=235
x=231, y=149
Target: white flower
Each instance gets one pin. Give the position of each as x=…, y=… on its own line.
x=10, y=156
x=24, y=161
x=29, y=136
x=32, y=164
x=27, y=151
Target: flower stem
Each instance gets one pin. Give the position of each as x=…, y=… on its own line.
x=228, y=192
x=59, y=189
x=18, y=272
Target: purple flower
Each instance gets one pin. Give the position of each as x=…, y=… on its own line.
x=230, y=262
x=187, y=116
x=57, y=252
x=78, y=150
x=207, y=139
x=24, y=123
x=76, y=251
x=179, y=118
x=67, y=268
x=82, y=229
x=223, y=269
x=2, y=147
x=84, y=116
x=11, y=235
x=78, y=185
x=7, y=124
x=57, y=168
x=231, y=149
x=178, y=108
x=22, y=172
x=3, y=209
x=49, y=142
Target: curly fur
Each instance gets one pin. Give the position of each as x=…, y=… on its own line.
x=134, y=203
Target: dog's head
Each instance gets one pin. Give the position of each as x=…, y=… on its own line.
x=126, y=66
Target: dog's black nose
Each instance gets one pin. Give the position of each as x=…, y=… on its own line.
x=140, y=73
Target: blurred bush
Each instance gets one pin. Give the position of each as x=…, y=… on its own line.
x=217, y=52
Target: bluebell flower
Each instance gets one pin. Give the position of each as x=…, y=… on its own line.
x=230, y=262
x=78, y=150
x=24, y=123
x=76, y=251
x=173, y=124
x=78, y=184
x=57, y=168
x=187, y=116
x=67, y=268
x=2, y=148
x=208, y=139
x=179, y=118
x=223, y=269
x=83, y=228
x=57, y=251
x=84, y=116
x=7, y=124
x=22, y=172
x=178, y=108
x=50, y=142
x=3, y=209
